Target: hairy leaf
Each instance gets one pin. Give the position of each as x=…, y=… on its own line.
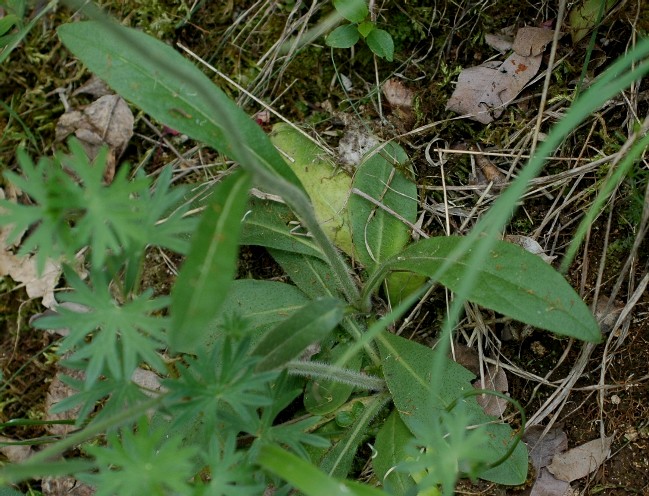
x=289, y=338
x=206, y=274
x=511, y=281
x=158, y=84
x=406, y=367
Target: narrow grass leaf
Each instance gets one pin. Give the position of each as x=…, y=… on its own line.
x=407, y=371
x=190, y=103
x=205, y=277
x=305, y=477
x=510, y=280
x=291, y=337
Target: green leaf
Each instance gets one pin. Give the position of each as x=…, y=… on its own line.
x=313, y=276
x=260, y=304
x=381, y=43
x=273, y=225
x=511, y=281
x=327, y=186
x=189, y=103
x=345, y=36
x=378, y=234
x=291, y=337
x=338, y=460
x=406, y=367
x=585, y=16
x=307, y=478
x=365, y=28
x=205, y=277
x=322, y=396
x=390, y=444
x=352, y=10
x=7, y=22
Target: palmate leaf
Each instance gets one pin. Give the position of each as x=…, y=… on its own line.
x=123, y=335
x=142, y=462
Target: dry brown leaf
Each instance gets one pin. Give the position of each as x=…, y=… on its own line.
x=548, y=485
x=15, y=453
x=529, y=244
x=607, y=313
x=22, y=269
x=397, y=94
x=106, y=121
x=495, y=380
x=580, y=461
x=65, y=486
x=483, y=92
x=95, y=87
x=532, y=41
x=543, y=448
x=57, y=392
x=500, y=42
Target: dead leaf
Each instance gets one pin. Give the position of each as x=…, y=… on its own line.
x=95, y=87
x=65, y=486
x=607, y=313
x=532, y=41
x=580, y=461
x=22, y=269
x=500, y=42
x=543, y=448
x=106, y=121
x=531, y=245
x=15, y=453
x=548, y=485
x=397, y=94
x=495, y=380
x=483, y=92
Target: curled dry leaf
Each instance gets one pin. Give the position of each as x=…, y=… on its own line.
x=483, y=92
x=106, y=121
x=487, y=173
x=22, y=269
x=542, y=449
x=15, y=453
x=580, y=461
x=500, y=42
x=59, y=486
x=532, y=41
x=607, y=312
x=530, y=245
x=95, y=87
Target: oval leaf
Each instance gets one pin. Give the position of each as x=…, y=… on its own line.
x=291, y=337
x=406, y=368
x=510, y=280
x=345, y=36
x=352, y=10
x=206, y=274
x=381, y=43
x=378, y=234
x=390, y=446
x=171, y=89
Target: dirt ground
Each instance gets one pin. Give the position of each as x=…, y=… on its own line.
x=610, y=391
